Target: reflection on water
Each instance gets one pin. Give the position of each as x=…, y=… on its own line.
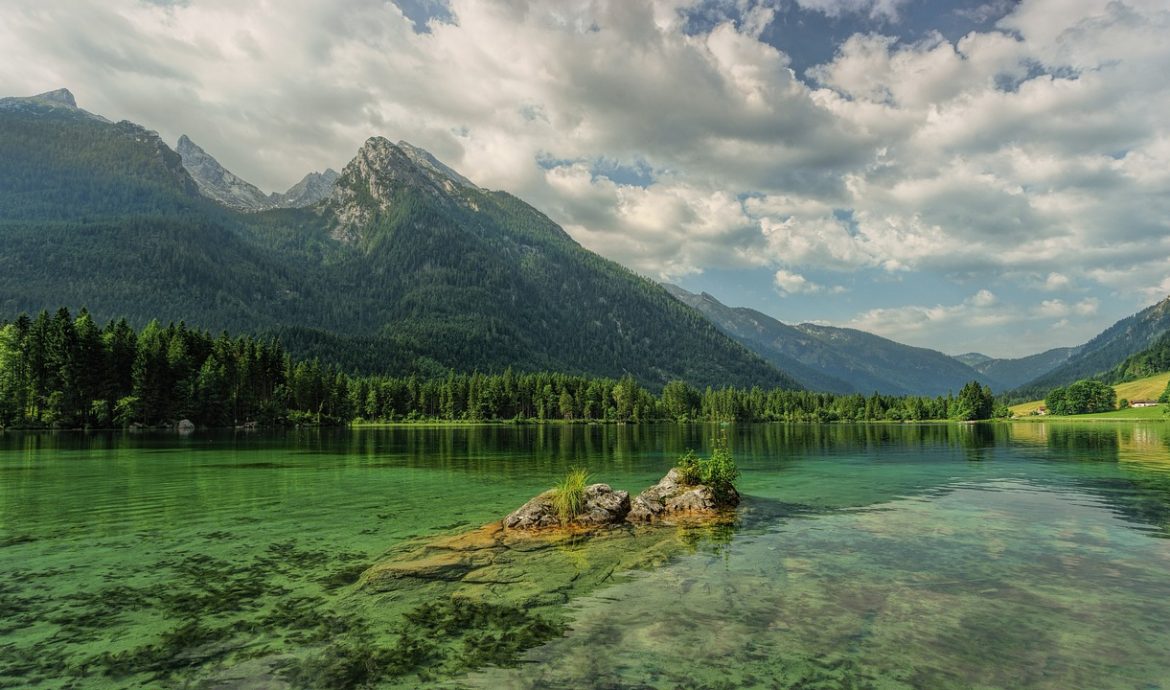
x=886, y=556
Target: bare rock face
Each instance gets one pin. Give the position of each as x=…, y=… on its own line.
x=368, y=185
x=671, y=497
x=603, y=506
x=218, y=183
x=311, y=189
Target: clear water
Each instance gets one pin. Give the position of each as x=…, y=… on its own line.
x=934, y=556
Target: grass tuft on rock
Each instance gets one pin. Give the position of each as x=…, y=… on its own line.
x=569, y=494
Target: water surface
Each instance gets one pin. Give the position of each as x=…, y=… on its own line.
x=864, y=556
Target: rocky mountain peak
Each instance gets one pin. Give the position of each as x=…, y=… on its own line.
x=61, y=97
x=367, y=185
x=405, y=164
x=57, y=101
x=424, y=159
x=311, y=189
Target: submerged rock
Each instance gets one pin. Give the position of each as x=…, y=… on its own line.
x=670, y=497
x=602, y=506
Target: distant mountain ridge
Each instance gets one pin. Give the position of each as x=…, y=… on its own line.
x=404, y=266
x=221, y=185
x=840, y=360
x=1015, y=372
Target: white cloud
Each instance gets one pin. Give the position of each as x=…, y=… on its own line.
x=1029, y=153
x=976, y=310
x=791, y=283
x=1052, y=309
x=875, y=9
x=983, y=298
x=986, y=11
x=1087, y=306
x=976, y=319
x=1056, y=281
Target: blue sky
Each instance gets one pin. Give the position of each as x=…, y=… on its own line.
x=990, y=176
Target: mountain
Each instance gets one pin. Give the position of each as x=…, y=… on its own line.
x=1012, y=373
x=50, y=102
x=841, y=360
x=974, y=359
x=761, y=334
x=221, y=185
x=218, y=183
x=311, y=189
x=104, y=215
x=405, y=267
x=1153, y=360
x=1106, y=351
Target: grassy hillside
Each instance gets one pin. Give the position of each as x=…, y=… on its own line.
x=1148, y=388
x=1106, y=351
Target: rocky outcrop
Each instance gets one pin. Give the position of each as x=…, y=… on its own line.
x=60, y=101
x=371, y=182
x=221, y=185
x=313, y=188
x=602, y=506
x=671, y=497
x=217, y=183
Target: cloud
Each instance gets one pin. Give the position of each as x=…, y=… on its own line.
x=987, y=11
x=790, y=283
x=1023, y=153
x=976, y=310
x=975, y=322
x=876, y=9
x=1056, y=281
x=1058, y=309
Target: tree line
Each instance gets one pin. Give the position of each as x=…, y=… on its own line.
x=57, y=370
x=1083, y=397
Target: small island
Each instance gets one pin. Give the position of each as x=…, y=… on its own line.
x=696, y=492
x=694, y=487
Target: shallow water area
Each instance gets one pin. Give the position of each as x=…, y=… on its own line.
x=864, y=556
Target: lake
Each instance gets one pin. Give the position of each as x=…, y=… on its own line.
x=1030, y=555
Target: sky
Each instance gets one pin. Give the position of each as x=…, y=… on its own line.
x=966, y=175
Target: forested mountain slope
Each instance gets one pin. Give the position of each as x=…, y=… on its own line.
x=405, y=267
x=1011, y=373
x=837, y=359
x=1106, y=351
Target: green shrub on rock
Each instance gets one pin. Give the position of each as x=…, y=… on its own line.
x=719, y=472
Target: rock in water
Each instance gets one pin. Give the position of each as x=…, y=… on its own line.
x=185, y=426
x=671, y=497
x=602, y=506
x=535, y=514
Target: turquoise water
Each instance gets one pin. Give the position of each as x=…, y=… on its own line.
x=879, y=556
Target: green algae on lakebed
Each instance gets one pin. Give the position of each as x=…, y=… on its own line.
x=863, y=556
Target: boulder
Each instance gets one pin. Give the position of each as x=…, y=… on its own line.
x=671, y=497
x=602, y=506
x=185, y=426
